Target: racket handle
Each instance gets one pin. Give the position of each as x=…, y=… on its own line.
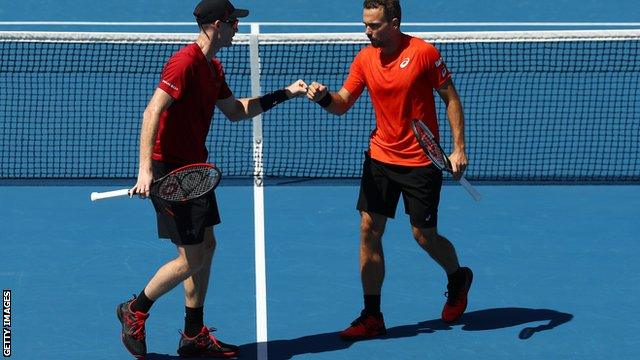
x=470, y=189
x=109, y=194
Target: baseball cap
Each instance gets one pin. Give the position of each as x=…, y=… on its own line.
x=208, y=11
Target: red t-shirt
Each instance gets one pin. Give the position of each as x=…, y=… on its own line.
x=401, y=89
x=195, y=87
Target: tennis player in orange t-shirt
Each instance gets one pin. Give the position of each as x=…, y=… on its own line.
x=400, y=73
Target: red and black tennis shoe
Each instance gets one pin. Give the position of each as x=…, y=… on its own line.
x=205, y=345
x=133, y=333
x=366, y=326
x=457, y=291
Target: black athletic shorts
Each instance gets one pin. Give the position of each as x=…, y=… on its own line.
x=382, y=184
x=183, y=223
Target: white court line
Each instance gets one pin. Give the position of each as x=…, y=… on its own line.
x=258, y=204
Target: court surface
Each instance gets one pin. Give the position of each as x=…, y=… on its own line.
x=328, y=10
x=555, y=274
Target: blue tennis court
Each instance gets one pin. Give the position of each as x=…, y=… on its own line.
x=555, y=274
x=555, y=269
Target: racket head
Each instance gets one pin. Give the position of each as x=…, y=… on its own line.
x=187, y=182
x=430, y=146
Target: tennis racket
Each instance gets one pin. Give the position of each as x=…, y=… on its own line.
x=436, y=154
x=180, y=185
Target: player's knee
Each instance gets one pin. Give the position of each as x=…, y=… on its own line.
x=371, y=231
x=194, y=265
x=209, y=244
x=191, y=262
x=425, y=237
x=183, y=267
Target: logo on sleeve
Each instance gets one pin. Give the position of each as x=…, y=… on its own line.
x=442, y=67
x=169, y=84
x=404, y=63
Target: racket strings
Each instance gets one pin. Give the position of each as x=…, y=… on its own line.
x=437, y=155
x=189, y=184
x=196, y=183
x=432, y=148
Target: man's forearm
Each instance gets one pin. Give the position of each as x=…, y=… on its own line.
x=147, y=139
x=249, y=107
x=335, y=104
x=456, y=121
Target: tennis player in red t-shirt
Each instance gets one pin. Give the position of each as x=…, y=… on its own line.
x=400, y=73
x=174, y=128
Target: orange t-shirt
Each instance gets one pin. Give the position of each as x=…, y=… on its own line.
x=401, y=89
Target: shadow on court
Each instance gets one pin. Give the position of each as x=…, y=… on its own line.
x=481, y=320
x=490, y=319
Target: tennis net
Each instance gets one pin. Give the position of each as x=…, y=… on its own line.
x=539, y=106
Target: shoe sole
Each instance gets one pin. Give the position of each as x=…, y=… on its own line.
x=227, y=355
x=360, y=338
x=210, y=356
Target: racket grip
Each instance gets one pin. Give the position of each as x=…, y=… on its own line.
x=470, y=189
x=109, y=194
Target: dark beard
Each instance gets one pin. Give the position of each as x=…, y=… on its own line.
x=376, y=43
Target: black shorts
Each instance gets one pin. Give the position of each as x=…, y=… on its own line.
x=382, y=184
x=183, y=223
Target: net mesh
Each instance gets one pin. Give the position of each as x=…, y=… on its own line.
x=559, y=106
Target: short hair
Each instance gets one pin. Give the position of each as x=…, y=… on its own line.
x=391, y=8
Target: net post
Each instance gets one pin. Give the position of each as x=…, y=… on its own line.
x=258, y=203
